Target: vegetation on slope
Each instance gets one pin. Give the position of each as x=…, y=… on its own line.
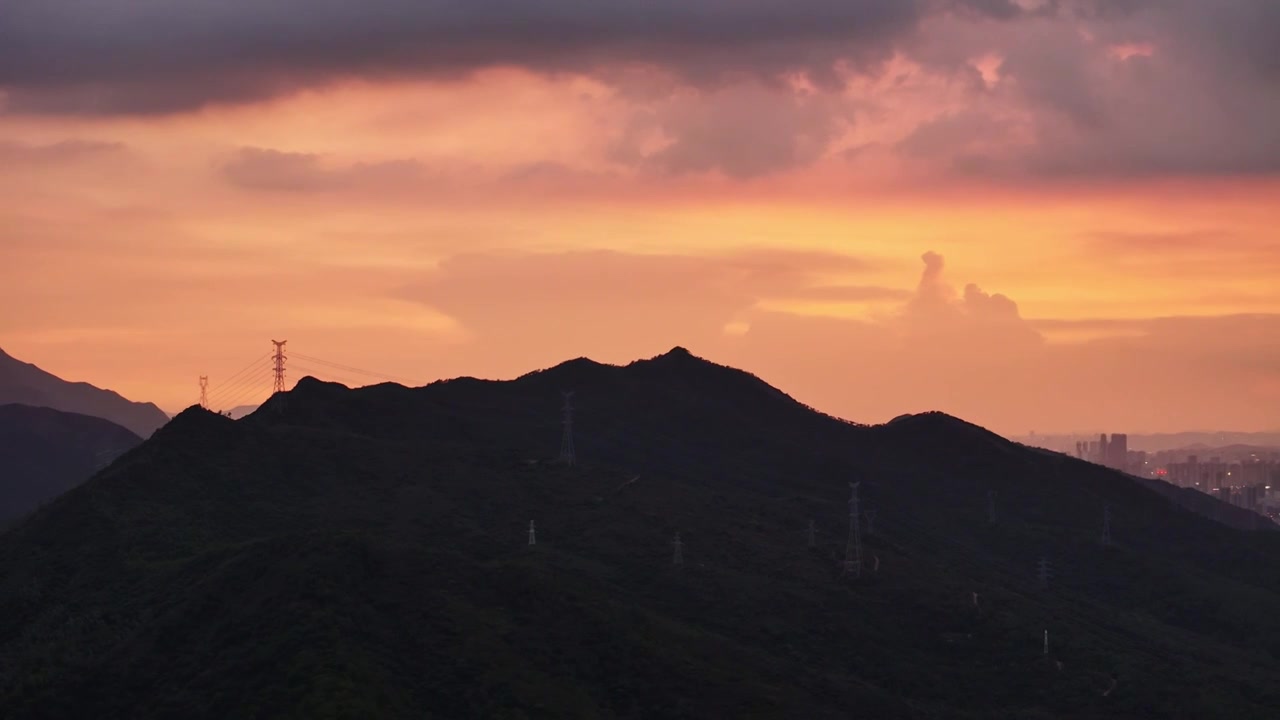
x=363, y=554
x=45, y=452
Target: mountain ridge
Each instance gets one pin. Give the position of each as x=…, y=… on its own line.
x=27, y=384
x=364, y=553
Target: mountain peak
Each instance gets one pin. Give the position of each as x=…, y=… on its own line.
x=935, y=422
x=195, y=417
x=678, y=356
x=570, y=372
x=308, y=382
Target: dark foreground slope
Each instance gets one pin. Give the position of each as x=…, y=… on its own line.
x=26, y=384
x=364, y=554
x=45, y=452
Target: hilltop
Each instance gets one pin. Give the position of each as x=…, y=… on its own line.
x=363, y=553
x=25, y=384
x=45, y=452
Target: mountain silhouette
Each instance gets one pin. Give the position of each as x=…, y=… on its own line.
x=26, y=384
x=364, y=553
x=45, y=452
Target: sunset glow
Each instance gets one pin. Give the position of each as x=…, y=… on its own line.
x=1109, y=184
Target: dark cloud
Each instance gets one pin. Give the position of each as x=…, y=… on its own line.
x=128, y=57
x=950, y=133
x=746, y=131
x=1122, y=90
x=1203, y=98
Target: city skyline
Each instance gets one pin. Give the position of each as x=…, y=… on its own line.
x=1031, y=215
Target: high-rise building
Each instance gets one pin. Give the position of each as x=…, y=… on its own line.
x=1118, y=451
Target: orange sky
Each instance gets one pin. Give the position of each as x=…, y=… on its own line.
x=506, y=219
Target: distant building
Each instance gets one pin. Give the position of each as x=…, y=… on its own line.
x=1136, y=463
x=1118, y=452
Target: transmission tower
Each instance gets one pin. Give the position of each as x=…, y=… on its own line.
x=1046, y=643
x=991, y=506
x=1106, y=524
x=853, y=550
x=566, y=441
x=279, y=359
x=871, y=522
x=677, y=556
x=1044, y=572
x=533, y=536
x=204, y=392
x=813, y=534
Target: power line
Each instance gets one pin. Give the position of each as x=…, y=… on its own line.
x=269, y=371
x=242, y=371
x=259, y=382
x=232, y=385
x=247, y=383
x=348, y=368
x=249, y=393
x=327, y=375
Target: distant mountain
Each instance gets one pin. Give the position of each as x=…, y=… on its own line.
x=1202, y=440
x=1229, y=453
x=45, y=452
x=27, y=384
x=365, y=553
x=240, y=411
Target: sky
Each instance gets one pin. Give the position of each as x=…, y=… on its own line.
x=1039, y=215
